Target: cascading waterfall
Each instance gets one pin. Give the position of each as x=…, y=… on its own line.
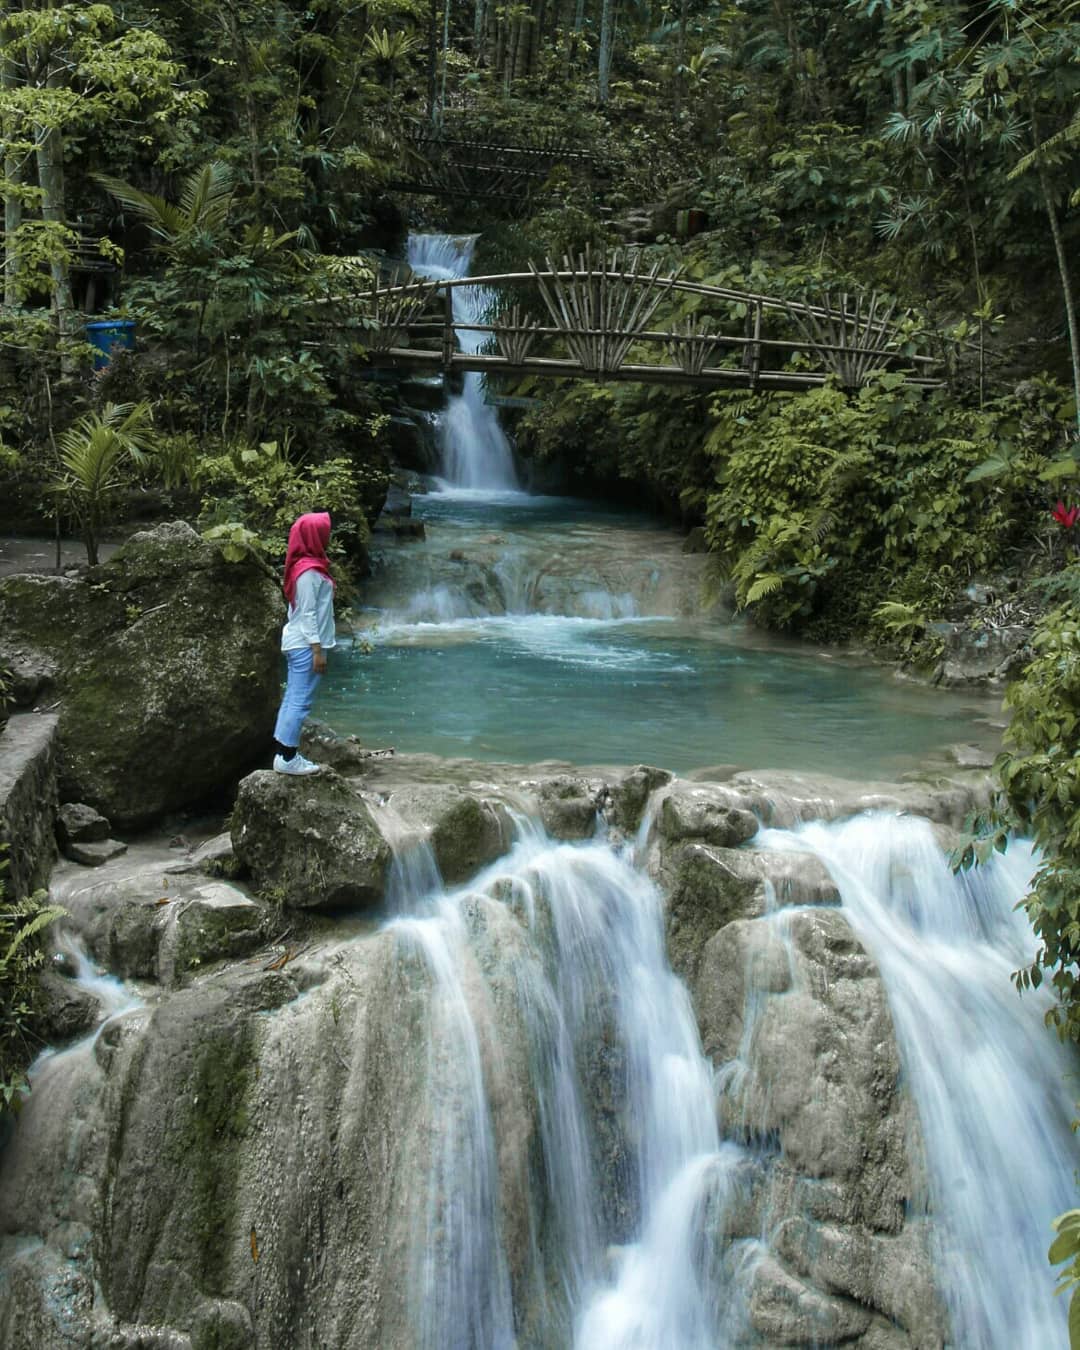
x=604, y=1019
x=987, y=1078
x=475, y=451
x=624, y=1214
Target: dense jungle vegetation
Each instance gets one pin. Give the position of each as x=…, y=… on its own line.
x=222, y=173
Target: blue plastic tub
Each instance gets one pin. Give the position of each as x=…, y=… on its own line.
x=106, y=334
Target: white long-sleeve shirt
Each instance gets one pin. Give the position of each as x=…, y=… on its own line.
x=311, y=614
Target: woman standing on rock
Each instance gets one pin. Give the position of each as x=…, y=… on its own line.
x=309, y=632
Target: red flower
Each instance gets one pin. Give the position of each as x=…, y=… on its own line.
x=1066, y=516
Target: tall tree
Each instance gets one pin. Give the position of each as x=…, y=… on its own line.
x=71, y=68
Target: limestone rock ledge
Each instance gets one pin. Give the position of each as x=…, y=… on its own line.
x=234, y=1163
x=793, y=1016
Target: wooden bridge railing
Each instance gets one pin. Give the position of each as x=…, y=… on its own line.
x=599, y=315
x=483, y=167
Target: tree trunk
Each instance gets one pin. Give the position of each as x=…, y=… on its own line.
x=49, y=146
x=432, y=62
x=607, y=43
x=680, y=61
x=443, y=52
x=1066, y=283
x=14, y=172
x=575, y=40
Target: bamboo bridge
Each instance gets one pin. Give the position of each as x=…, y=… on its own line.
x=593, y=320
x=514, y=174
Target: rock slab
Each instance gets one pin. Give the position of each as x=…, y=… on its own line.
x=310, y=842
x=28, y=768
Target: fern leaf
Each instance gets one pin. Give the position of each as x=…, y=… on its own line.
x=765, y=585
x=41, y=920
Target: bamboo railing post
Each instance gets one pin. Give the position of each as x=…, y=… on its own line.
x=448, y=328
x=755, y=357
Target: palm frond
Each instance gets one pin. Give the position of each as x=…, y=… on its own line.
x=163, y=217
x=206, y=196
x=40, y=921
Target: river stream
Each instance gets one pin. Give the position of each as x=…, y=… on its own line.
x=576, y=1186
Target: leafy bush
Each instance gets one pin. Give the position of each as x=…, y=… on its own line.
x=816, y=491
x=265, y=489
x=1040, y=778
x=22, y=955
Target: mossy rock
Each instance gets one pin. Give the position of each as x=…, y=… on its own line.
x=166, y=662
x=310, y=842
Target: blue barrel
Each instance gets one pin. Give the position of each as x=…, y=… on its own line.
x=107, y=334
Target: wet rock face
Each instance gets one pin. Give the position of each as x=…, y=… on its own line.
x=466, y=831
x=980, y=655
x=239, y=1166
x=793, y=1015
x=166, y=664
x=242, y=1161
x=149, y=925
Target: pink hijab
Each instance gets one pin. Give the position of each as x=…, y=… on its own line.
x=308, y=539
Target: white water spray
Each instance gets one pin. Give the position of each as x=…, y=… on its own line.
x=988, y=1079
x=475, y=451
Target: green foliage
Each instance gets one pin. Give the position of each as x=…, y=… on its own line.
x=258, y=491
x=1040, y=779
x=95, y=458
x=187, y=229
x=235, y=541
x=1066, y=1247
x=22, y=922
x=815, y=488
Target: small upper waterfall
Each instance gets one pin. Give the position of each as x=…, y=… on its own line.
x=989, y=1081
x=475, y=451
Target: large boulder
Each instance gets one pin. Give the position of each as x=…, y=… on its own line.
x=976, y=654
x=238, y=1166
x=310, y=842
x=165, y=663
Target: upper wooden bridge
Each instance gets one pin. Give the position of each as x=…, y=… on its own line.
x=599, y=327
x=514, y=174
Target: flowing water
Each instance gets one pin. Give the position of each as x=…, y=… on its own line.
x=988, y=1080
x=526, y=628
x=602, y=1015
x=622, y=1256
x=475, y=450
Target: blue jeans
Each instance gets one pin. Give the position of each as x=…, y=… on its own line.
x=299, y=695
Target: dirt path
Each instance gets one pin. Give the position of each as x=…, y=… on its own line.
x=20, y=553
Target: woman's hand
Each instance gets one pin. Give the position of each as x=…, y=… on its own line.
x=318, y=659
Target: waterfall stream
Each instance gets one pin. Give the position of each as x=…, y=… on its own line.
x=602, y=1015
x=475, y=450
x=622, y=1254
x=990, y=1083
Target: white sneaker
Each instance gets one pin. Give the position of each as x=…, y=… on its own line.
x=297, y=765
